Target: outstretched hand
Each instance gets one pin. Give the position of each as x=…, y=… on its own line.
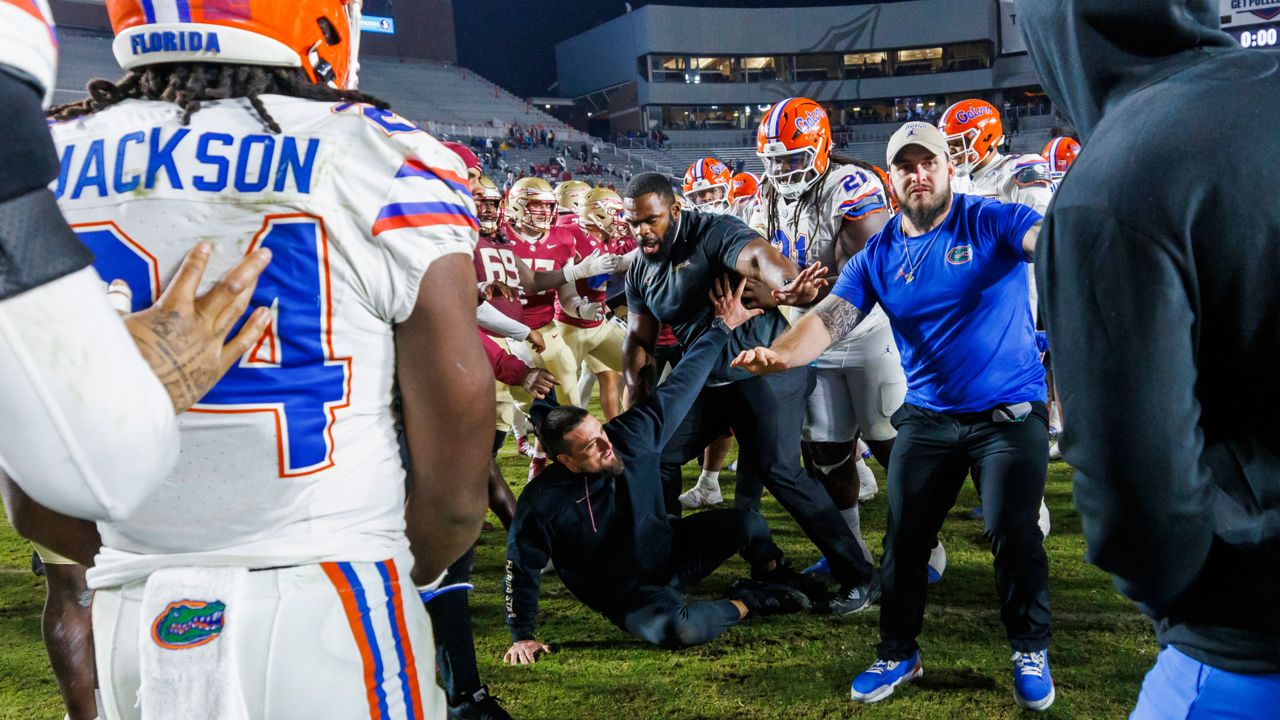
x=805, y=288
x=760, y=360
x=184, y=336
x=726, y=301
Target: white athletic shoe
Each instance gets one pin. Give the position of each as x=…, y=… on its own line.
x=700, y=497
x=1055, y=453
x=937, y=563
x=867, y=487
x=1043, y=521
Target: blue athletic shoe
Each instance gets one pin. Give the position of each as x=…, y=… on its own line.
x=1032, y=682
x=976, y=514
x=878, y=681
x=820, y=568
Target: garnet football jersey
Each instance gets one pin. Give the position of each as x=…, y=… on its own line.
x=495, y=261
x=292, y=458
x=552, y=252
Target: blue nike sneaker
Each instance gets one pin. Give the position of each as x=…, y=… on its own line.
x=1032, y=682
x=878, y=681
x=818, y=569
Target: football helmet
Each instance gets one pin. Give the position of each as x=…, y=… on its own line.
x=706, y=185
x=888, y=189
x=569, y=195
x=1061, y=153
x=745, y=186
x=531, y=203
x=602, y=209
x=794, y=141
x=974, y=131
x=488, y=199
x=320, y=36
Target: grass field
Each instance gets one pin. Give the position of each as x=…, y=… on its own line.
x=783, y=667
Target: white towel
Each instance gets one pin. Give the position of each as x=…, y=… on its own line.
x=188, y=660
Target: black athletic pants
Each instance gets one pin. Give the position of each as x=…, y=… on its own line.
x=700, y=543
x=766, y=414
x=931, y=456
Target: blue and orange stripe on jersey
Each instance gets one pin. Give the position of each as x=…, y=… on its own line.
x=423, y=214
x=862, y=205
x=413, y=167
x=360, y=618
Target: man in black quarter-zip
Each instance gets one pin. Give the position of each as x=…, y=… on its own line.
x=597, y=511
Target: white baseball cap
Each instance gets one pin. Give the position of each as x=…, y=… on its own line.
x=924, y=134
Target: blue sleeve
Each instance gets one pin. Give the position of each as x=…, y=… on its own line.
x=854, y=284
x=1006, y=224
x=528, y=551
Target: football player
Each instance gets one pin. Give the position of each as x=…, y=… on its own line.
x=569, y=196
x=597, y=343
x=285, y=531
x=974, y=133
x=707, y=185
x=743, y=195
x=1061, y=153
x=820, y=207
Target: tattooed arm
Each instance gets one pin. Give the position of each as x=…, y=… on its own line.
x=832, y=318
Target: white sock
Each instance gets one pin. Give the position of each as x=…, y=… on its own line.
x=852, y=519
x=709, y=479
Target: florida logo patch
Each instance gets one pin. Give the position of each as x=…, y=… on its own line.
x=960, y=254
x=187, y=624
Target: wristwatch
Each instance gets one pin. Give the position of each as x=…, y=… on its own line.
x=720, y=324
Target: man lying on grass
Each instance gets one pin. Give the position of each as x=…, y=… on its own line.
x=598, y=513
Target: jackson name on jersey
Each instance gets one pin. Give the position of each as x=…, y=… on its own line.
x=292, y=458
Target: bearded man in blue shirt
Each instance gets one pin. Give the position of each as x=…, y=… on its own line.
x=949, y=272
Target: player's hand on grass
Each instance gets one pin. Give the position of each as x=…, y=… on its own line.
x=525, y=652
x=760, y=360
x=184, y=335
x=804, y=289
x=537, y=341
x=538, y=382
x=726, y=302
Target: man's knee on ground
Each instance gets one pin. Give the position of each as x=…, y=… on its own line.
x=674, y=631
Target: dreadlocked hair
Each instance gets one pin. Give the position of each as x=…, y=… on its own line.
x=809, y=198
x=187, y=85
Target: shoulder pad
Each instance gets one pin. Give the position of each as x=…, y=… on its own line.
x=1033, y=174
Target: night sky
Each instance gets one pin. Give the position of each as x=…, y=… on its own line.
x=512, y=42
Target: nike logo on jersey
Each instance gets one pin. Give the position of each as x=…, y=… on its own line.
x=208, y=162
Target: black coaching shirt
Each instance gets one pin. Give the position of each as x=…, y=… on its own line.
x=675, y=291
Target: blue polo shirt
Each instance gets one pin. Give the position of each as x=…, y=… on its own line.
x=963, y=325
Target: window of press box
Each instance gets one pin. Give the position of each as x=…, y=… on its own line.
x=867, y=64
x=918, y=61
x=668, y=68
x=818, y=67
x=761, y=68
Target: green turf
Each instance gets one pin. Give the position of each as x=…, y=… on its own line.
x=781, y=667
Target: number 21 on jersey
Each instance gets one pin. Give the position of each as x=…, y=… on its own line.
x=292, y=372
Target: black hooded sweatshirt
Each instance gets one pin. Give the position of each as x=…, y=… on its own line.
x=1159, y=269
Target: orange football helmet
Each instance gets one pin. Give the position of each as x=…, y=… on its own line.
x=1061, y=153
x=320, y=36
x=532, y=203
x=706, y=185
x=794, y=141
x=488, y=199
x=745, y=186
x=974, y=130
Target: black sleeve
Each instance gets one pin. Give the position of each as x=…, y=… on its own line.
x=36, y=245
x=656, y=419
x=1121, y=321
x=528, y=550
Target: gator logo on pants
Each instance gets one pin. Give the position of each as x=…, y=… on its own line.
x=187, y=624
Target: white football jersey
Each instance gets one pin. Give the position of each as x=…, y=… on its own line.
x=1024, y=179
x=807, y=231
x=1021, y=179
x=28, y=42
x=292, y=458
